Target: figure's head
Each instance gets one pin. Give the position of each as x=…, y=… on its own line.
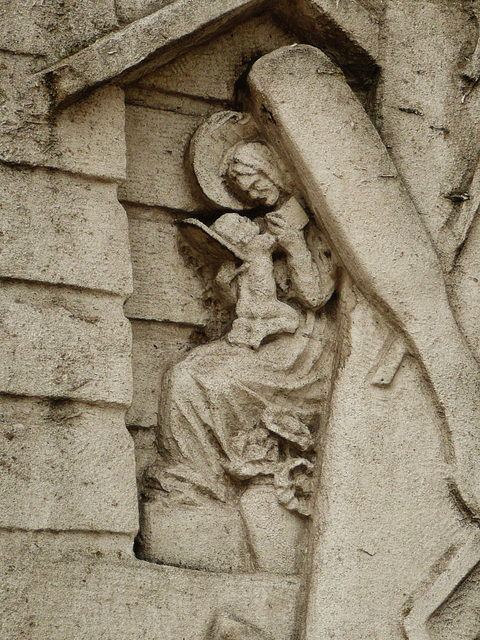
x=237, y=229
x=253, y=174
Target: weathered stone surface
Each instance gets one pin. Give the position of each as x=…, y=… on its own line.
x=132, y=599
x=432, y=130
x=63, y=229
x=65, y=465
x=276, y=534
x=411, y=282
x=146, y=452
x=347, y=29
x=63, y=343
x=156, y=345
x=137, y=94
x=465, y=283
x=153, y=40
x=157, y=143
x=213, y=536
x=32, y=546
x=130, y=10
x=212, y=69
x=383, y=464
x=254, y=425
x=87, y=137
x=51, y=28
x=166, y=287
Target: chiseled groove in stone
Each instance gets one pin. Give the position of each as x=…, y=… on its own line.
x=174, y=214
x=12, y=164
x=161, y=34
x=62, y=286
x=187, y=104
x=86, y=403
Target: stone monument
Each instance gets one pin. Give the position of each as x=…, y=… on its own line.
x=240, y=287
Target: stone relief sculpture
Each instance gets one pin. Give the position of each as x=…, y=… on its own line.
x=240, y=415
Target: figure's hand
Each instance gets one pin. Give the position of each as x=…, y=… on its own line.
x=286, y=235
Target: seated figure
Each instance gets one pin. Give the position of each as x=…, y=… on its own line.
x=244, y=409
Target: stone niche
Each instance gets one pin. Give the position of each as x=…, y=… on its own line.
x=169, y=309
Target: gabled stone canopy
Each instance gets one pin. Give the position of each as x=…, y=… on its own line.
x=346, y=30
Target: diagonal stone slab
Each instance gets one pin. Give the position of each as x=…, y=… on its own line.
x=307, y=109
x=163, y=34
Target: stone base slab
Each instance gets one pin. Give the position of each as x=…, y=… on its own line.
x=89, y=599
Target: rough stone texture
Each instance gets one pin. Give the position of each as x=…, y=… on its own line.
x=389, y=470
x=141, y=599
x=86, y=138
x=211, y=70
x=157, y=142
x=52, y=28
x=130, y=10
x=32, y=546
x=433, y=133
x=391, y=549
x=466, y=285
x=59, y=471
x=165, y=288
x=145, y=441
x=78, y=236
x=90, y=136
x=163, y=33
x=213, y=537
x=137, y=94
x=410, y=303
x=63, y=343
x=156, y=345
x=345, y=28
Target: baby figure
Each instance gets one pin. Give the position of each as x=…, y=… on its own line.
x=234, y=238
x=259, y=312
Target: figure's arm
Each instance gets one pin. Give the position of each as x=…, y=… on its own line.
x=313, y=286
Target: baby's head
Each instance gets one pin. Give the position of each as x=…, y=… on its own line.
x=237, y=229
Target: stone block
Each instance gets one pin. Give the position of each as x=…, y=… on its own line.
x=65, y=465
x=63, y=229
x=212, y=69
x=87, y=137
x=130, y=599
x=165, y=287
x=157, y=144
x=64, y=343
x=155, y=346
x=208, y=537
